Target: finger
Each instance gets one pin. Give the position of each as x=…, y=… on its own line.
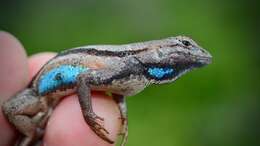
x=14, y=67
x=67, y=126
x=20, y=75
x=13, y=77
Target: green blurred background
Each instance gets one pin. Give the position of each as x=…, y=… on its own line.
x=214, y=106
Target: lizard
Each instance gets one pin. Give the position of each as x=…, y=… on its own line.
x=122, y=70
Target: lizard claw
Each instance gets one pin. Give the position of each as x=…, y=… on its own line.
x=98, y=128
x=99, y=118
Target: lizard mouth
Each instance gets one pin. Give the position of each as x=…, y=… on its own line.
x=161, y=73
x=202, y=61
x=183, y=68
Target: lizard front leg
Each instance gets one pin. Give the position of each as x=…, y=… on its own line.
x=84, y=81
x=121, y=102
x=99, y=78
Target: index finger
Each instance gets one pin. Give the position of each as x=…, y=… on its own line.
x=13, y=77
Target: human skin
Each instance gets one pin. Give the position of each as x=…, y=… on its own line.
x=66, y=125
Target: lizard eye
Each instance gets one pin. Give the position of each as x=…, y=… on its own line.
x=186, y=43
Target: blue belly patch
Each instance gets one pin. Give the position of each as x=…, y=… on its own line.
x=159, y=72
x=60, y=76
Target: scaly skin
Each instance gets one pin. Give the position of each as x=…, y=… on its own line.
x=123, y=70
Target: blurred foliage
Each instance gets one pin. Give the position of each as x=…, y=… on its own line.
x=214, y=106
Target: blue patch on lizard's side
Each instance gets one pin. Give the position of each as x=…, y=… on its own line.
x=159, y=72
x=62, y=75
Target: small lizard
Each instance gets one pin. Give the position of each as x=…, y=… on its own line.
x=123, y=70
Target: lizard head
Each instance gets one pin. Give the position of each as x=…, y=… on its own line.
x=170, y=58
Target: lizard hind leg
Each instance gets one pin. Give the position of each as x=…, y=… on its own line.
x=28, y=113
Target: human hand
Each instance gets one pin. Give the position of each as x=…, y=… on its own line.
x=66, y=125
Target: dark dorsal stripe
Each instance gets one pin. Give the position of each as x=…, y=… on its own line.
x=95, y=52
